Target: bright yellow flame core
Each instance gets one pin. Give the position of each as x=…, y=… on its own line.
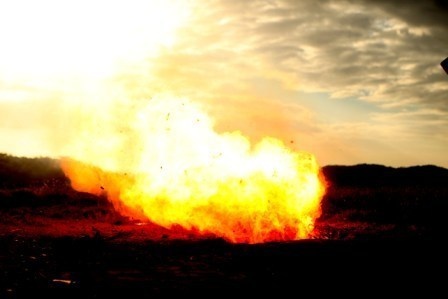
x=176, y=170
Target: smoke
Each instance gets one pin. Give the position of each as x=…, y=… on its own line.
x=58, y=61
x=60, y=75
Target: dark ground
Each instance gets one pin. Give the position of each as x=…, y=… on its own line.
x=382, y=233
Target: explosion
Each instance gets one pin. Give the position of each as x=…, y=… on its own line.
x=157, y=160
x=162, y=161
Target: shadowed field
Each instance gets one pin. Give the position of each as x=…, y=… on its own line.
x=381, y=229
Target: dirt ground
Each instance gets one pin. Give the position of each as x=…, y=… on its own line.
x=84, y=267
x=371, y=240
x=97, y=258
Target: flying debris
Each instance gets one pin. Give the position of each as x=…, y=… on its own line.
x=444, y=65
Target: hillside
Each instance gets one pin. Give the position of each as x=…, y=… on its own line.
x=381, y=229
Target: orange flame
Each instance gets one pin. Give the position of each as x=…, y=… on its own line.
x=187, y=174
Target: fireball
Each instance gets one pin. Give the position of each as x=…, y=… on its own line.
x=157, y=159
x=169, y=167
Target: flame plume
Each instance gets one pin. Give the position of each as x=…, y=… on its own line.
x=170, y=167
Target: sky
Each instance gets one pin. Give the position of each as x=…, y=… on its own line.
x=349, y=81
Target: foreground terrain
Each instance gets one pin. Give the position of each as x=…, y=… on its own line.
x=381, y=229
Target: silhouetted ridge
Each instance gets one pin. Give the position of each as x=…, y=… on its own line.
x=370, y=175
x=25, y=172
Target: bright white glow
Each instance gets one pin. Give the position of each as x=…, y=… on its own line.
x=43, y=40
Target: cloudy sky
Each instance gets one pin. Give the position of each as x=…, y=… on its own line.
x=349, y=81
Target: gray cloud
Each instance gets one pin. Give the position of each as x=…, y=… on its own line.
x=381, y=54
x=368, y=49
x=386, y=53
